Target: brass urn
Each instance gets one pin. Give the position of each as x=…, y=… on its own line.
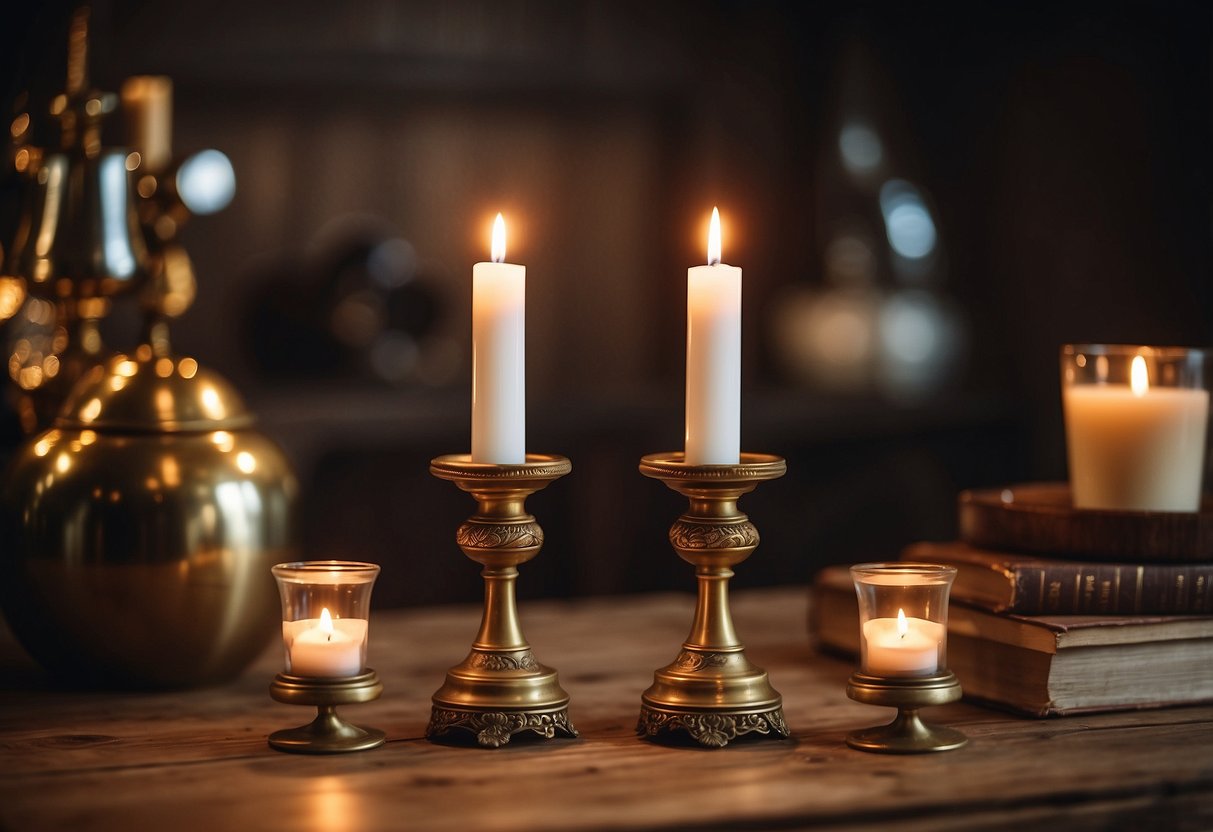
x=139, y=530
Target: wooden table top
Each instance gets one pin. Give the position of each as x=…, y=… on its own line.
x=199, y=760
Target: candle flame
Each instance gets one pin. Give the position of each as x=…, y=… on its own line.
x=902, y=626
x=498, y=249
x=1139, y=378
x=714, y=239
x=326, y=623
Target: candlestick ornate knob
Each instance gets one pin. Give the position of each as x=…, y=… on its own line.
x=500, y=689
x=903, y=611
x=711, y=690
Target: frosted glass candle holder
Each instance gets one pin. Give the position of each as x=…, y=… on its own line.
x=903, y=617
x=326, y=609
x=1137, y=419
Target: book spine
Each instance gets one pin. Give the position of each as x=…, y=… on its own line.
x=1093, y=589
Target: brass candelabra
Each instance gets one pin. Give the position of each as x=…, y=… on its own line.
x=500, y=689
x=711, y=690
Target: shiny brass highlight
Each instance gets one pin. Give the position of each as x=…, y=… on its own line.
x=500, y=689
x=907, y=733
x=711, y=690
x=327, y=733
x=140, y=530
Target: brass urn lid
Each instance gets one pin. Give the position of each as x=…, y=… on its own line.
x=155, y=392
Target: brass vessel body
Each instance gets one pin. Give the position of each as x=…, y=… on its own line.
x=138, y=544
x=907, y=733
x=500, y=689
x=711, y=690
x=328, y=733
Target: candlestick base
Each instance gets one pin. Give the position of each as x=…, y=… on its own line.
x=907, y=733
x=711, y=691
x=500, y=689
x=328, y=733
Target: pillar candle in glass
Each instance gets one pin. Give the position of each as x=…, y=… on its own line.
x=326, y=609
x=903, y=617
x=498, y=357
x=713, y=403
x=1136, y=424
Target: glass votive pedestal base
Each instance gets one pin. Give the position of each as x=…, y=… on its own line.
x=907, y=733
x=328, y=733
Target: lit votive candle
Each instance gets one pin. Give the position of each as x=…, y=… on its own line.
x=325, y=616
x=903, y=612
x=324, y=647
x=902, y=646
x=1136, y=421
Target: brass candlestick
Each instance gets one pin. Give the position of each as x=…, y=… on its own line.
x=327, y=733
x=500, y=689
x=906, y=734
x=711, y=691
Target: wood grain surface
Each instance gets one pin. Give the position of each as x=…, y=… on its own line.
x=198, y=760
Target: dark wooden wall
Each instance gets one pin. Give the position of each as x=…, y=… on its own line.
x=1064, y=151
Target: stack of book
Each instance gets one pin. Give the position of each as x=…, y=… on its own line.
x=1050, y=634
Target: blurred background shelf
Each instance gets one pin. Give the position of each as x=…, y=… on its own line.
x=927, y=201
x=864, y=477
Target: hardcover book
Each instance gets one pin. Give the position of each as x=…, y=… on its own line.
x=1035, y=585
x=1048, y=665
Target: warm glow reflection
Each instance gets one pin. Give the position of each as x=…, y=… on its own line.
x=333, y=807
x=223, y=440
x=170, y=472
x=902, y=626
x=91, y=410
x=164, y=367
x=211, y=402
x=126, y=368
x=498, y=246
x=1139, y=378
x=63, y=462
x=12, y=294
x=188, y=367
x=714, y=239
x=165, y=404
x=246, y=462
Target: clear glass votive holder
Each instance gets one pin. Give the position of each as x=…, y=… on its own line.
x=326, y=607
x=1137, y=421
x=903, y=618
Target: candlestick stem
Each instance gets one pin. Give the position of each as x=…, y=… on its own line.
x=500, y=689
x=713, y=624
x=711, y=690
x=499, y=626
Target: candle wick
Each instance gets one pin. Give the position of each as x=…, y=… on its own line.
x=715, y=261
x=329, y=637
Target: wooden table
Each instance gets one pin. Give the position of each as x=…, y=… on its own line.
x=199, y=760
